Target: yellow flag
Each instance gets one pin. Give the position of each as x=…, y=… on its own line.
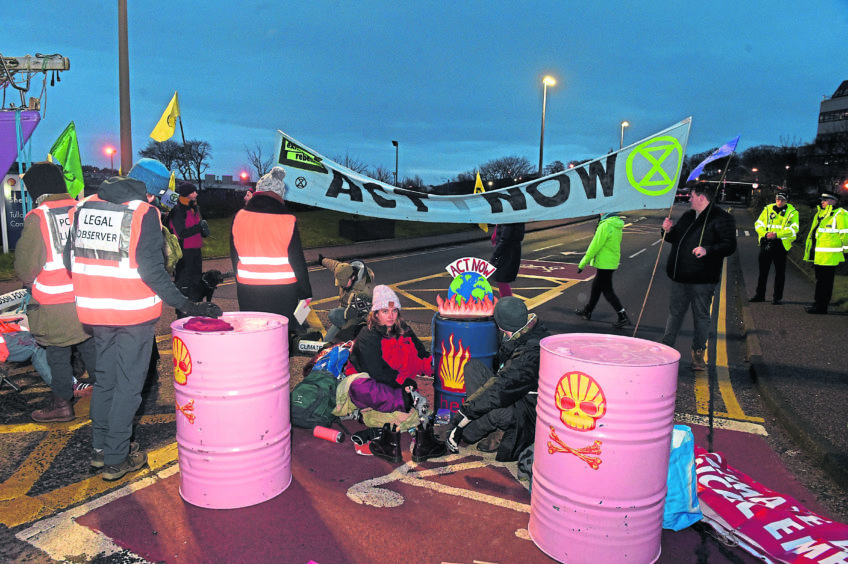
x=164, y=130
x=478, y=189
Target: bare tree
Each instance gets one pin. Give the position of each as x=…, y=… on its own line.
x=382, y=174
x=506, y=167
x=194, y=163
x=167, y=152
x=254, y=157
x=353, y=164
x=556, y=166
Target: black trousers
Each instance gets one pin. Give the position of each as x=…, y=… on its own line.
x=777, y=255
x=824, y=285
x=602, y=284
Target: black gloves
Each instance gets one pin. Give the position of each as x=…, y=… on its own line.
x=457, y=424
x=320, y=259
x=204, y=229
x=201, y=309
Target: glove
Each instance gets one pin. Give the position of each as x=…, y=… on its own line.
x=320, y=259
x=204, y=229
x=457, y=424
x=201, y=309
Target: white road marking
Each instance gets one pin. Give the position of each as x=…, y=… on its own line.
x=637, y=253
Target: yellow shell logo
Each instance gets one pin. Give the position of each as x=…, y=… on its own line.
x=452, y=366
x=182, y=361
x=581, y=401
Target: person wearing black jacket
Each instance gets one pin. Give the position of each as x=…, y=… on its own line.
x=504, y=400
x=700, y=241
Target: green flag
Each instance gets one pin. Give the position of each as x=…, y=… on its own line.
x=65, y=151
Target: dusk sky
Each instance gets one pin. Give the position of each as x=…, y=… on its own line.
x=456, y=84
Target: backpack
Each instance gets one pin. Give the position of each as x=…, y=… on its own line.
x=172, y=249
x=313, y=400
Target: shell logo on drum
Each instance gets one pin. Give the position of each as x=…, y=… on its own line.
x=182, y=361
x=452, y=366
x=581, y=401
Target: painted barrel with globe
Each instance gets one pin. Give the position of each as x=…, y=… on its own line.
x=462, y=330
x=232, y=400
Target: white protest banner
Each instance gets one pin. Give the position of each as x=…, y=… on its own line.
x=642, y=176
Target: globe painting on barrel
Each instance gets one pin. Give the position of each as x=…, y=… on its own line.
x=469, y=293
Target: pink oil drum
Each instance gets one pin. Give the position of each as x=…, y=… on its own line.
x=232, y=408
x=604, y=420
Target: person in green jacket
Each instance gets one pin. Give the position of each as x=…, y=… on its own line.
x=777, y=228
x=826, y=244
x=604, y=253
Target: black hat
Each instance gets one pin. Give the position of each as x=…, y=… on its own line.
x=186, y=189
x=44, y=178
x=510, y=314
x=782, y=195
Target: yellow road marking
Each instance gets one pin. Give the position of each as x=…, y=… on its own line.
x=702, y=392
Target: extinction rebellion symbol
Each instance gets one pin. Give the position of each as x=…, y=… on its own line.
x=300, y=182
x=653, y=166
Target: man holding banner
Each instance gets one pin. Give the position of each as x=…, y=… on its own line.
x=700, y=241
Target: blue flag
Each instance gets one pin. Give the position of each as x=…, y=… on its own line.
x=723, y=151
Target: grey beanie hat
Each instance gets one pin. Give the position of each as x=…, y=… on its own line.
x=510, y=314
x=274, y=182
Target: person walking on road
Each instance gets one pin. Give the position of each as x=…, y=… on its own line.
x=52, y=313
x=826, y=244
x=777, y=228
x=114, y=253
x=506, y=256
x=267, y=257
x=700, y=241
x=604, y=253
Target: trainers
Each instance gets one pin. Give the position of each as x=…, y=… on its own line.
x=82, y=389
x=622, y=320
x=97, y=459
x=131, y=463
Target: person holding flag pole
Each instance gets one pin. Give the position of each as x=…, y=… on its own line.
x=700, y=241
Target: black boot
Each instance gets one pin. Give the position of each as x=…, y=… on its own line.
x=622, y=320
x=427, y=445
x=387, y=446
x=584, y=313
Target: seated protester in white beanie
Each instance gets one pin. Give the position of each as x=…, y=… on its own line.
x=388, y=350
x=501, y=403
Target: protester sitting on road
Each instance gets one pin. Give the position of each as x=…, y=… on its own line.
x=51, y=312
x=271, y=273
x=700, y=241
x=777, y=228
x=502, y=404
x=604, y=253
x=825, y=248
x=354, y=281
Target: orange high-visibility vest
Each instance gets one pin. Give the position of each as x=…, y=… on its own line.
x=53, y=284
x=262, y=243
x=107, y=286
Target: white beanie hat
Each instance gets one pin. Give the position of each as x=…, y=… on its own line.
x=384, y=298
x=274, y=182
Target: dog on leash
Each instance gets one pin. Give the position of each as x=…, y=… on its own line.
x=208, y=283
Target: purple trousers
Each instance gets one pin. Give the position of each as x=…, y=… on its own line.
x=365, y=392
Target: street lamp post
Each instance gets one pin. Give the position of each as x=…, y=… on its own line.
x=624, y=124
x=395, y=143
x=111, y=152
x=547, y=81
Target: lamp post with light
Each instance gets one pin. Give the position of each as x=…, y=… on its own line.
x=624, y=124
x=547, y=81
x=109, y=150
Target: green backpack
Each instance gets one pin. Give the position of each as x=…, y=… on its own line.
x=313, y=400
